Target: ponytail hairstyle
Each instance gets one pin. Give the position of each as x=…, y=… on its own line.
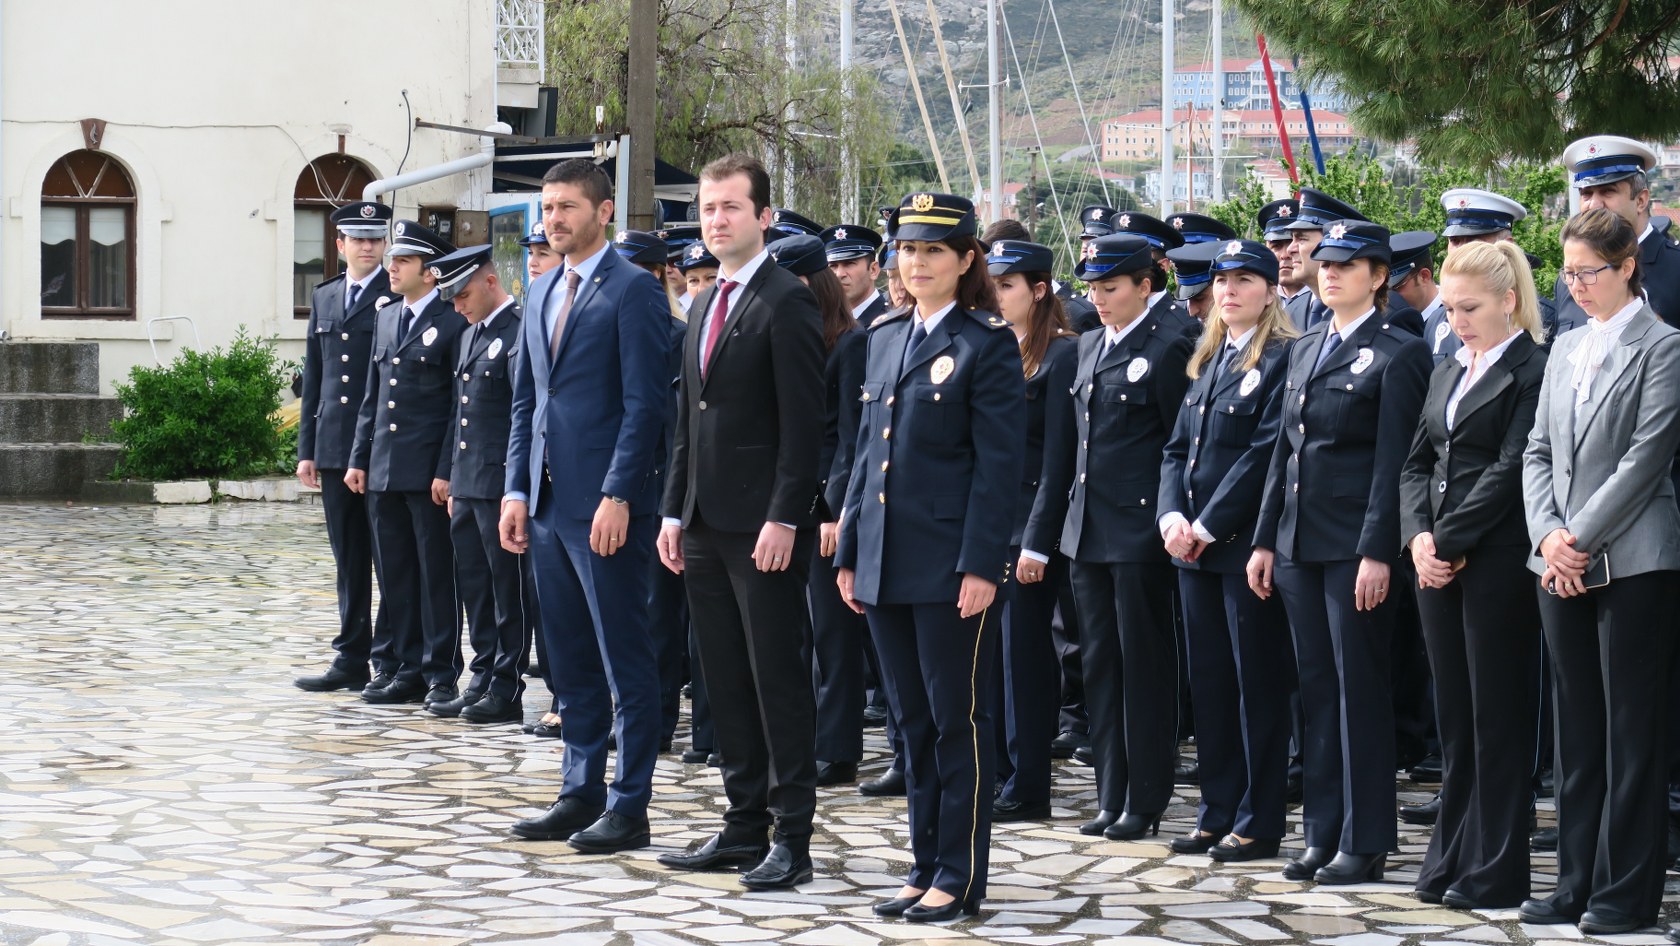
x=1502, y=267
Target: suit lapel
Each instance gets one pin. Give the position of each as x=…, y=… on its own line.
x=737, y=309
x=935, y=342
x=1622, y=356
x=586, y=292
x=378, y=286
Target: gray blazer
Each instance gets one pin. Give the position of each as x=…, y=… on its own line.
x=1606, y=477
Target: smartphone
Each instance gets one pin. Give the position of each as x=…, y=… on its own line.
x=1597, y=574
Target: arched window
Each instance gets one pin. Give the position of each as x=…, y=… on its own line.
x=87, y=238
x=329, y=181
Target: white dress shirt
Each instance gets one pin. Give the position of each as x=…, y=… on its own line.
x=1468, y=380
x=857, y=310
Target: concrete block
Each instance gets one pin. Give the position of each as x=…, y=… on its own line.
x=270, y=489
x=53, y=470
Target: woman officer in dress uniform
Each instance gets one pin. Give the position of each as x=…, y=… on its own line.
x=924, y=539
x=1028, y=683
x=1329, y=533
x=1211, y=479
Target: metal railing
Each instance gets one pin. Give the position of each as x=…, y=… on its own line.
x=519, y=33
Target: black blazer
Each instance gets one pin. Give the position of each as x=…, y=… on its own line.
x=1176, y=315
x=484, y=407
x=1465, y=486
x=1082, y=314
x=749, y=434
x=842, y=384
x=402, y=433
x=1049, y=420
x=337, y=351
x=1333, y=487
x=1124, y=410
x=1401, y=315
x=875, y=309
x=1215, y=465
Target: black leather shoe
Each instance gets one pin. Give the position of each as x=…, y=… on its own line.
x=534, y=670
x=548, y=730
x=836, y=773
x=1546, y=839
x=1102, y=822
x=1085, y=756
x=1188, y=773
x=449, y=709
x=695, y=756
x=1453, y=900
x=610, y=834
x=715, y=855
x=1132, y=827
x=442, y=693
x=1196, y=842
x=1605, y=923
x=1305, y=866
x=1230, y=851
x=890, y=783
x=1352, y=869
x=1008, y=809
x=379, y=682
x=1673, y=934
x=1546, y=785
x=567, y=817
x=1066, y=741
x=1294, y=788
x=944, y=914
x=714, y=759
x=1428, y=770
x=1427, y=813
x=400, y=691
x=336, y=678
x=782, y=868
x=1541, y=912
x=895, y=907
x=491, y=708
x=1427, y=896
x=874, y=717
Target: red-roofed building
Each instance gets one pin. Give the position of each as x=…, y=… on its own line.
x=1137, y=136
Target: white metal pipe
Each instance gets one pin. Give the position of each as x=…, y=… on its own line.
x=993, y=110
x=1166, y=107
x=386, y=185
x=1218, y=192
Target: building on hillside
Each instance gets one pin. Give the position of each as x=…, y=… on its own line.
x=1137, y=136
x=1007, y=209
x=1245, y=87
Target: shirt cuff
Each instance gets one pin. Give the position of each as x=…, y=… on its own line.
x=668, y=521
x=1169, y=522
x=1035, y=556
x=1202, y=532
x=789, y=526
x=516, y=496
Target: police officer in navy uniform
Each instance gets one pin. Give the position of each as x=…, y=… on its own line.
x=1193, y=267
x=402, y=459
x=924, y=540
x=1328, y=538
x=1094, y=221
x=852, y=252
x=489, y=579
x=1314, y=211
x=1200, y=228
x=785, y=223
x=1127, y=391
x=335, y=366
x=1162, y=237
x=1611, y=171
x=1411, y=282
x=1273, y=220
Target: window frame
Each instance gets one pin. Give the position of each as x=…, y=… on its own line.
x=83, y=288
x=348, y=190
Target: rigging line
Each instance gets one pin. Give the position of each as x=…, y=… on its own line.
x=1049, y=174
x=1084, y=120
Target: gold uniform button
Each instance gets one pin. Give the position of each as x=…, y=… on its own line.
x=1303, y=399
x=1197, y=441
x=882, y=497
x=866, y=395
x=1295, y=487
x=1122, y=397
x=1087, y=417
x=884, y=465
x=886, y=433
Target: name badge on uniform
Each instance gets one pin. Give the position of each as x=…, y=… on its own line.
x=495, y=349
x=381, y=302
x=1366, y=356
x=1441, y=331
x=1137, y=369
x=942, y=368
x=1250, y=381
x=428, y=336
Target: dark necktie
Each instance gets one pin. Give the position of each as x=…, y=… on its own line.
x=714, y=331
x=408, y=325
x=917, y=333
x=478, y=336
x=355, y=293
x=1334, y=342
x=1107, y=346
x=1225, y=359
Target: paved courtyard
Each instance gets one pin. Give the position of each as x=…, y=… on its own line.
x=161, y=782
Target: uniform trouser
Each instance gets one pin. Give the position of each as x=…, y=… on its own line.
x=1483, y=634
x=1341, y=655
x=1026, y=687
x=838, y=638
x=1610, y=678
x=1239, y=658
x=350, y=532
x=702, y=735
x=491, y=581
x=598, y=654
x=1130, y=659
x=750, y=630
x=933, y=661
x=417, y=583
x=668, y=624
x=1064, y=630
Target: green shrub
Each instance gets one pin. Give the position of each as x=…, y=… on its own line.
x=204, y=415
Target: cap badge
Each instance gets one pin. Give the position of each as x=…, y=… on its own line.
x=537, y=229
x=1250, y=381
x=1233, y=248
x=1096, y=213
x=921, y=203
x=663, y=234
x=367, y=211
x=1284, y=211
x=437, y=273
x=942, y=368
x=1178, y=223
x=840, y=234
x=696, y=251
x=1089, y=250
x=777, y=218
x=1463, y=202
x=622, y=236
x=400, y=228
x=1338, y=231
x=1592, y=149
x=1137, y=369
x=1125, y=221
x=495, y=349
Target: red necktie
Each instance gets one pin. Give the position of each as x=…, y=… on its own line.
x=714, y=331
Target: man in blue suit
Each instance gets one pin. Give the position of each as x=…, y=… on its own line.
x=589, y=403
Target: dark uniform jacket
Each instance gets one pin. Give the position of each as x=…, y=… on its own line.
x=1176, y=315
x=842, y=384
x=337, y=353
x=1333, y=488
x=1125, y=406
x=1215, y=465
x=1049, y=421
x=877, y=307
x=1465, y=486
x=1081, y=314
x=484, y=406
x=939, y=449
x=402, y=434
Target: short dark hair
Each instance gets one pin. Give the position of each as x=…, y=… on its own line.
x=1006, y=230
x=758, y=179
x=586, y=174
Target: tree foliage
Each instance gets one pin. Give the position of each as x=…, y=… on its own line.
x=1478, y=83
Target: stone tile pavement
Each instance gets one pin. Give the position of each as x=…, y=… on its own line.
x=161, y=782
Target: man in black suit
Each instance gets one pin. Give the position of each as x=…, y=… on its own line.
x=337, y=350
x=401, y=459
x=740, y=521
x=490, y=579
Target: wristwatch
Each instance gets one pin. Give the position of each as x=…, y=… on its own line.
x=618, y=502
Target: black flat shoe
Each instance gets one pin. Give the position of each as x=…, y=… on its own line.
x=1605, y=923
x=836, y=773
x=336, y=678
x=491, y=708
x=942, y=914
x=716, y=855
x=400, y=691
x=1085, y=755
x=1543, y=913
x=379, y=682
x=1305, y=866
x=894, y=908
x=1427, y=813
x=610, y=834
x=889, y=784
x=567, y=817
x=1132, y=827
x=1100, y=823
x=1453, y=900
x=442, y=693
x=695, y=756
x=1009, y=810
x=548, y=730
x=1196, y=842
x=1428, y=770
x=1066, y=741
x=874, y=717
x=1545, y=839
x=782, y=868
x=449, y=709
x=1230, y=851
x=1352, y=869
x=1188, y=773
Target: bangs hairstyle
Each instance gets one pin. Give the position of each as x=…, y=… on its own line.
x=1609, y=236
x=831, y=303
x=1274, y=323
x=1502, y=267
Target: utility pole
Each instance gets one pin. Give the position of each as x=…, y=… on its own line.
x=848, y=172
x=1218, y=183
x=993, y=110
x=640, y=100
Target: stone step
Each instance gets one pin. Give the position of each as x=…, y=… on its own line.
x=53, y=470
x=56, y=418
x=49, y=367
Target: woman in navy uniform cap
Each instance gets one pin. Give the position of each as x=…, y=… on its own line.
x=1329, y=533
x=1211, y=480
x=924, y=539
x=1127, y=390
x=1027, y=686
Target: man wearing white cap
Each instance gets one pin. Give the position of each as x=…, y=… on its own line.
x=1610, y=171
